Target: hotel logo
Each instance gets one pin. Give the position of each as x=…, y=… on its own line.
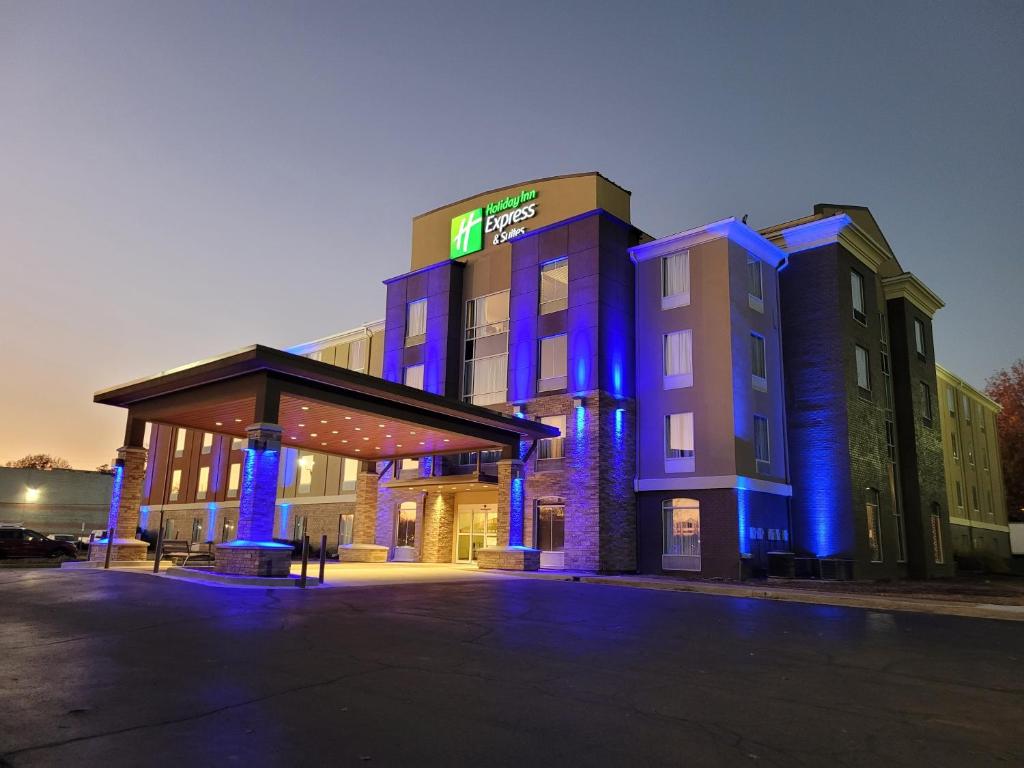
x=467, y=233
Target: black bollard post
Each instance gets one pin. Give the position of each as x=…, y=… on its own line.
x=323, y=555
x=110, y=546
x=159, y=544
x=305, y=560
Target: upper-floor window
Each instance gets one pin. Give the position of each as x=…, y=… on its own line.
x=956, y=452
x=207, y=442
x=679, y=452
x=304, y=471
x=554, y=286
x=762, y=444
x=485, y=375
x=677, y=351
x=204, y=483
x=966, y=408
x=237, y=443
x=175, y=490
x=959, y=494
x=416, y=322
x=981, y=416
x=553, y=363
x=926, y=403
x=974, y=498
x=675, y=280
x=487, y=315
x=413, y=376
x=755, y=284
x=950, y=400
x=234, y=475
x=179, y=443
x=863, y=370
x=552, y=447
x=919, y=340
x=357, y=355
x=758, y=366
x=857, y=289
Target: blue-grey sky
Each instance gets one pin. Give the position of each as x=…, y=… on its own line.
x=179, y=179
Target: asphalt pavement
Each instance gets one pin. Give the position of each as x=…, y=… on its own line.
x=126, y=669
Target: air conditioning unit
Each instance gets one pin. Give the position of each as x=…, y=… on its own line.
x=834, y=569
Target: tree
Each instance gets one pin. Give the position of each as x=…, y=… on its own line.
x=105, y=469
x=1007, y=388
x=40, y=461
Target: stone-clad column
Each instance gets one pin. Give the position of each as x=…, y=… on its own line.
x=510, y=554
x=364, y=548
x=254, y=553
x=123, y=517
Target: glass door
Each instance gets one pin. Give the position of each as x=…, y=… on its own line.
x=477, y=527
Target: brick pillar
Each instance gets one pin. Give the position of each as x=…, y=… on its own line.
x=438, y=528
x=510, y=554
x=364, y=548
x=123, y=517
x=254, y=553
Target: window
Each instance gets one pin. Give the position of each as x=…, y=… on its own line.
x=553, y=363
x=406, y=536
x=950, y=400
x=974, y=498
x=175, y=489
x=179, y=443
x=227, y=530
x=552, y=447
x=681, y=547
x=762, y=445
x=413, y=376
x=937, y=550
x=679, y=453
x=678, y=359
x=304, y=470
x=197, y=529
x=758, y=368
x=926, y=404
x=349, y=473
x=755, y=284
x=234, y=474
x=415, y=322
x=857, y=290
x=238, y=444
x=970, y=456
x=204, y=483
x=959, y=496
x=984, y=456
x=863, y=370
x=956, y=453
x=919, y=343
x=550, y=527
x=207, y=443
x=874, y=525
x=357, y=355
x=487, y=315
x=486, y=380
x=981, y=418
x=966, y=409
x=554, y=286
x=485, y=375
x=675, y=280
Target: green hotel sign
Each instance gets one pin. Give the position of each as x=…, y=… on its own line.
x=468, y=229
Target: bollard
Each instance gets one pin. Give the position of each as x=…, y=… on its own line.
x=110, y=546
x=323, y=555
x=159, y=544
x=305, y=560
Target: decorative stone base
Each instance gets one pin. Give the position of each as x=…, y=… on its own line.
x=125, y=550
x=253, y=558
x=362, y=553
x=508, y=558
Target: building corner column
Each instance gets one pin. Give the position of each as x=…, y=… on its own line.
x=364, y=548
x=510, y=554
x=254, y=552
x=123, y=516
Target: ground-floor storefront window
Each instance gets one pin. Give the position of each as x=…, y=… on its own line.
x=550, y=532
x=346, y=521
x=681, y=518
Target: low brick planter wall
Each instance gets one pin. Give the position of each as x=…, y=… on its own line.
x=508, y=558
x=362, y=553
x=125, y=550
x=255, y=560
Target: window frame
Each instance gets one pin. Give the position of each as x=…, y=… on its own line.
x=927, y=413
x=550, y=445
x=762, y=464
x=857, y=291
x=557, y=304
x=865, y=392
x=755, y=300
x=552, y=383
x=677, y=380
x=758, y=382
x=920, y=340
x=688, y=558
x=681, y=299
x=415, y=339
x=685, y=461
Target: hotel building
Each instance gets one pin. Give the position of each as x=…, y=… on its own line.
x=589, y=398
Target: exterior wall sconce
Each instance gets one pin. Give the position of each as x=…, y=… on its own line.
x=577, y=402
x=31, y=495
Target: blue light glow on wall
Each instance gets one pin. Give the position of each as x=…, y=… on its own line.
x=742, y=516
x=284, y=521
x=257, y=494
x=426, y=466
x=620, y=416
x=115, y=501
x=211, y=520
x=515, y=519
x=143, y=517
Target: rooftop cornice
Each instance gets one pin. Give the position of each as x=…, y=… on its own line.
x=908, y=286
x=730, y=229
x=362, y=332
x=835, y=229
x=951, y=378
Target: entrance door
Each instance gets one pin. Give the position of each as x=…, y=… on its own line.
x=477, y=527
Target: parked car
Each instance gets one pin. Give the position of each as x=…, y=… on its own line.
x=97, y=533
x=24, y=542
x=70, y=538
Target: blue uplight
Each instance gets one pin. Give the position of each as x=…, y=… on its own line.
x=115, y=500
x=211, y=521
x=143, y=517
x=284, y=521
x=742, y=516
x=515, y=519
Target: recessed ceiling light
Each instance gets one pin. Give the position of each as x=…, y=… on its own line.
x=387, y=435
x=302, y=425
x=305, y=407
x=323, y=443
x=334, y=431
x=359, y=450
x=381, y=426
x=344, y=441
x=447, y=440
x=412, y=433
x=422, y=443
x=366, y=438
x=398, y=445
x=295, y=438
x=219, y=423
x=359, y=429
x=376, y=447
x=348, y=418
x=323, y=421
x=238, y=421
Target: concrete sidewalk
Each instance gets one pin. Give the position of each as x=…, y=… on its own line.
x=938, y=606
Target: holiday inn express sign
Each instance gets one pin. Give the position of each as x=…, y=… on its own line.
x=498, y=221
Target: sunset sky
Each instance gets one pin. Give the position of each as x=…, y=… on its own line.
x=180, y=179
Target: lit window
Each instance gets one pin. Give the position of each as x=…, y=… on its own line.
x=857, y=290
x=550, y=528
x=956, y=453
x=416, y=322
x=175, y=489
x=681, y=539
x=679, y=453
x=485, y=374
x=874, y=523
x=758, y=367
x=406, y=535
x=414, y=376
x=675, y=280
x=304, y=468
x=207, y=443
x=234, y=474
x=204, y=483
x=349, y=474
x=179, y=443
x=863, y=370
x=346, y=524
x=762, y=445
x=553, y=363
x=357, y=355
x=755, y=284
x=487, y=315
x=678, y=359
x=919, y=343
x=926, y=404
x=552, y=447
x=238, y=444
x=554, y=286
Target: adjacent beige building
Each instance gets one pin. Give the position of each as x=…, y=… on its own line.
x=974, y=478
